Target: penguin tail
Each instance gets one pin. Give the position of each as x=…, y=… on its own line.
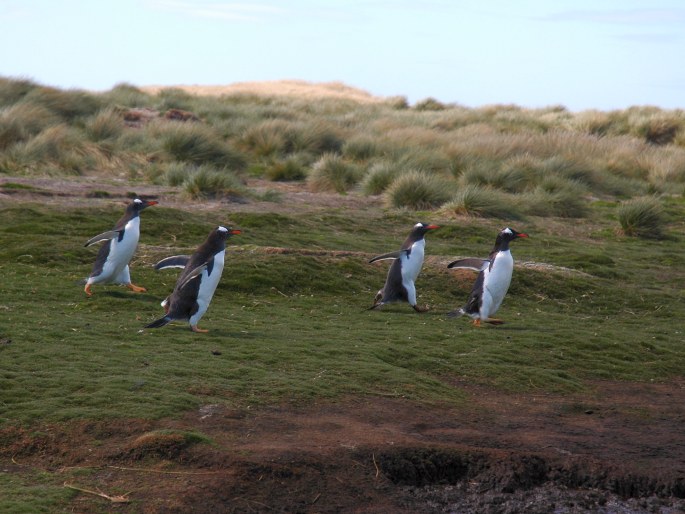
x=160, y=322
x=457, y=313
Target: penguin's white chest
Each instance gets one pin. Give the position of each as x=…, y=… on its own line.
x=209, y=282
x=121, y=252
x=496, y=282
x=412, y=263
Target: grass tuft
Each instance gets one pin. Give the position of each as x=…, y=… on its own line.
x=482, y=202
x=206, y=182
x=642, y=217
x=198, y=144
x=418, y=191
x=332, y=173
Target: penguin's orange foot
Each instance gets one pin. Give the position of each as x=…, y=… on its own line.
x=195, y=328
x=87, y=290
x=421, y=309
x=136, y=289
x=495, y=321
x=476, y=322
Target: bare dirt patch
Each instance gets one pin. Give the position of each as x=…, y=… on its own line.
x=619, y=449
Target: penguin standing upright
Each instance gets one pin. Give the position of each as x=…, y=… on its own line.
x=111, y=263
x=197, y=282
x=405, y=268
x=493, y=280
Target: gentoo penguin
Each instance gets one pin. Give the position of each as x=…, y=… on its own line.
x=111, y=263
x=493, y=280
x=405, y=268
x=197, y=282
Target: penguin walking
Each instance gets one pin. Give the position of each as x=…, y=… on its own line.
x=197, y=282
x=111, y=263
x=493, y=280
x=405, y=268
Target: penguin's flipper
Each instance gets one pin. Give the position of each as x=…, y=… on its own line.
x=159, y=322
x=175, y=261
x=470, y=263
x=391, y=255
x=105, y=236
x=193, y=274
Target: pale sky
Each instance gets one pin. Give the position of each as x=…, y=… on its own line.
x=582, y=54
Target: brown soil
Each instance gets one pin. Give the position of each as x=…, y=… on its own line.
x=618, y=449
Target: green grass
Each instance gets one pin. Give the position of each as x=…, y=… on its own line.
x=294, y=328
x=88, y=358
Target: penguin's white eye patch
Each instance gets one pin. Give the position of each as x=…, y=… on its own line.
x=222, y=229
x=137, y=201
x=507, y=231
x=418, y=225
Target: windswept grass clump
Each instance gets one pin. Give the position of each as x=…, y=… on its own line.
x=483, y=202
x=379, y=177
x=417, y=190
x=106, y=124
x=197, y=144
x=206, y=182
x=642, y=217
x=332, y=173
x=291, y=168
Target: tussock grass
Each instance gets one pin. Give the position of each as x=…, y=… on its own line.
x=332, y=173
x=484, y=202
x=204, y=181
x=613, y=155
x=197, y=144
x=106, y=124
x=291, y=168
x=642, y=217
x=379, y=177
x=418, y=190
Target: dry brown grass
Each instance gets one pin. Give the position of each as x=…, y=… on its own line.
x=296, y=88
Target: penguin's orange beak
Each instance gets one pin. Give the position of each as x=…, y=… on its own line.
x=236, y=231
x=432, y=227
x=151, y=202
x=521, y=234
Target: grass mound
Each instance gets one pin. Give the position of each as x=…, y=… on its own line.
x=417, y=191
x=642, y=217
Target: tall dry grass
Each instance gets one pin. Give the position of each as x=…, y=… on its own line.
x=554, y=161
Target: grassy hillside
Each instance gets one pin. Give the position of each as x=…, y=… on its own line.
x=544, y=162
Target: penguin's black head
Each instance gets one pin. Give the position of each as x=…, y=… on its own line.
x=508, y=235
x=226, y=232
x=421, y=228
x=138, y=205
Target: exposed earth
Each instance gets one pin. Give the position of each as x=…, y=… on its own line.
x=619, y=448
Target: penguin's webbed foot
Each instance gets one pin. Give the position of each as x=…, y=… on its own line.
x=136, y=289
x=195, y=328
x=476, y=322
x=87, y=290
x=421, y=309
